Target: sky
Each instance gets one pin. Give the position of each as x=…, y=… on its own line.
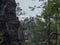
x=24, y=4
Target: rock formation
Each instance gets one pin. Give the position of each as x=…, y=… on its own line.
x=10, y=27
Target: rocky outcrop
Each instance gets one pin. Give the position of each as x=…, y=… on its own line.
x=9, y=24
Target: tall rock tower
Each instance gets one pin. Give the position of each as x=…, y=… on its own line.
x=9, y=24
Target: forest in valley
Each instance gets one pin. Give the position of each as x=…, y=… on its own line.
x=44, y=29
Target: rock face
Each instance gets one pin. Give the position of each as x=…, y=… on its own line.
x=10, y=27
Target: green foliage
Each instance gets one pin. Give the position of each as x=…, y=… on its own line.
x=52, y=10
x=40, y=31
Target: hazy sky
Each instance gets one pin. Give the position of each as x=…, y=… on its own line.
x=24, y=4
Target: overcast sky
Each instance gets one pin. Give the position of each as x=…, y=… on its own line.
x=24, y=4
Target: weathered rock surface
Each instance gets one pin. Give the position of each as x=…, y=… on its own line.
x=10, y=27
